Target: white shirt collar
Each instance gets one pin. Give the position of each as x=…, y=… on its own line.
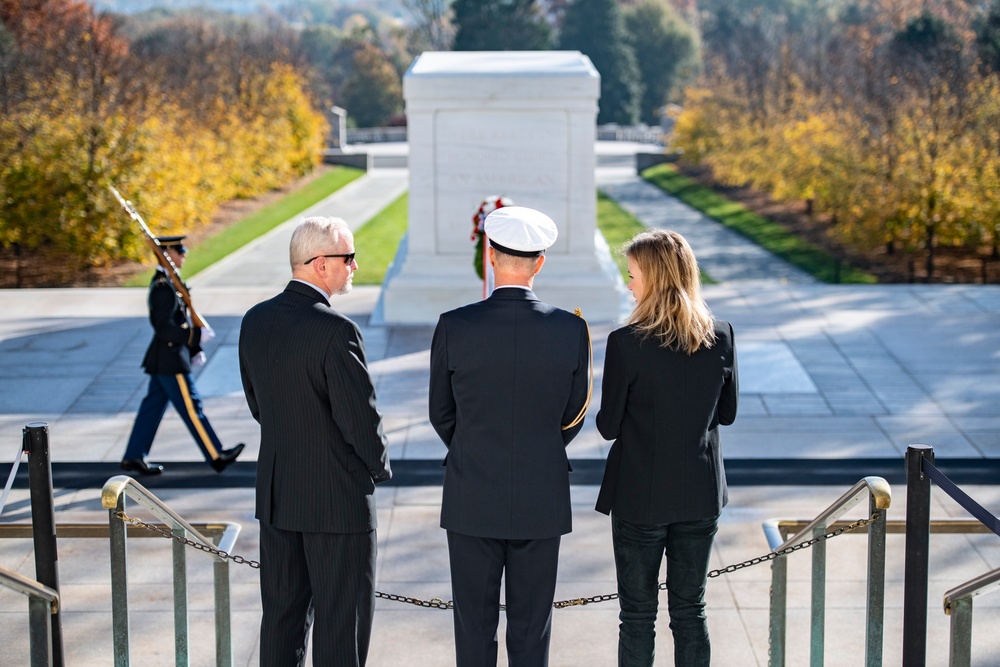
x=323, y=292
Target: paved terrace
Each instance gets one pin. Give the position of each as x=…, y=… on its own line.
x=832, y=377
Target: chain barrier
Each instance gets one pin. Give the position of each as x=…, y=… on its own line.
x=183, y=540
x=860, y=523
x=433, y=603
x=438, y=603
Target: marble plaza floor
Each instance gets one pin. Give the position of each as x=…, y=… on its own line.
x=828, y=374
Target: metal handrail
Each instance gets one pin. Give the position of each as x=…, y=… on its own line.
x=879, y=499
x=958, y=604
x=875, y=487
x=784, y=527
x=30, y=587
x=984, y=583
x=43, y=603
x=113, y=497
x=120, y=485
x=218, y=532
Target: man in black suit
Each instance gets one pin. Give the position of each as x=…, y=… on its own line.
x=322, y=450
x=507, y=374
x=175, y=348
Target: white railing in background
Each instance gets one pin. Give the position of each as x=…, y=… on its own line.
x=638, y=133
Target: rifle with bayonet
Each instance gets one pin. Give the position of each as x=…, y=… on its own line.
x=164, y=259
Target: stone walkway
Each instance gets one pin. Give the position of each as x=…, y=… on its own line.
x=827, y=373
x=725, y=255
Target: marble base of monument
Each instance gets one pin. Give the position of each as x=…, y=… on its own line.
x=417, y=295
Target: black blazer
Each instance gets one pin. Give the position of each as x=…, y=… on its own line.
x=663, y=409
x=506, y=373
x=322, y=447
x=175, y=340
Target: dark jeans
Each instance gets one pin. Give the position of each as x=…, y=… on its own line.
x=639, y=550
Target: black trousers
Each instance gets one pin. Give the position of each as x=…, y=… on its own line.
x=528, y=568
x=326, y=577
x=180, y=391
x=639, y=551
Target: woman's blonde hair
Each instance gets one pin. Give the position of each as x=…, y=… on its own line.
x=672, y=309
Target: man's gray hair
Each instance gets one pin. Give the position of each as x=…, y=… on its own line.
x=315, y=236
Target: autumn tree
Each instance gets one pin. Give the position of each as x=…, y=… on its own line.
x=927, y=63
x=73, y=107
x=873, y=112
x=374, y=91
x=83, y=112
x=979, y=155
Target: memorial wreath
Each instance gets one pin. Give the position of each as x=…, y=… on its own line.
x=488, y=205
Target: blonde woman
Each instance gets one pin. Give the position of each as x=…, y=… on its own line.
x=669, y=381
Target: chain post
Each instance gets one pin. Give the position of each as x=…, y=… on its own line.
x=916, y=555
x=35, y=439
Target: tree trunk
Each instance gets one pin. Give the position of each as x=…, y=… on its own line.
x=930, y=251
x=18, y=282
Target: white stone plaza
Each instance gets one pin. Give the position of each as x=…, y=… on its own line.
x=829, y=375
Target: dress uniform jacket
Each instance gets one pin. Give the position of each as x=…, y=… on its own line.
x=322, y=446
x=663, y=408
x=175, y=340
x=506, y=373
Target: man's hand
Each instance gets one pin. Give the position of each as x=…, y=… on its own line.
x=207, y=334
x=199, y=359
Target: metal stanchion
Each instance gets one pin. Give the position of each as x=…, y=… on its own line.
x=918, y=520
x=43, y=520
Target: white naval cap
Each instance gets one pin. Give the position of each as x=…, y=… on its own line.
x=520, y=231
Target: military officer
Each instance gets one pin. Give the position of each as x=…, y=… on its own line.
x=508, y=385
x=175, y=348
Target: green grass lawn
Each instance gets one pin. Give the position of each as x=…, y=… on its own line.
x=376, y=242
x=256, y=224
x=618, y=226
x=761, y=231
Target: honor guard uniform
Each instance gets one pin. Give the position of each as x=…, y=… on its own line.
x=175, y=348
x=508, y=389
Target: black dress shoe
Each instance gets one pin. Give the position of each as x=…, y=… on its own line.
x=227, y=456
x=140, y=466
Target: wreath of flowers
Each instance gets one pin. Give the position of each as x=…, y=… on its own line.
x=488, y=205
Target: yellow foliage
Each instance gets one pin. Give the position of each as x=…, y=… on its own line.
x=924, y=171
x=696, y=134
x=177, y=166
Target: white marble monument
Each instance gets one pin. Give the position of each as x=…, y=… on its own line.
x=519, y=124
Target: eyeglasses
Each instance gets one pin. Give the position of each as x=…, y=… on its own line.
x=348, y=257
